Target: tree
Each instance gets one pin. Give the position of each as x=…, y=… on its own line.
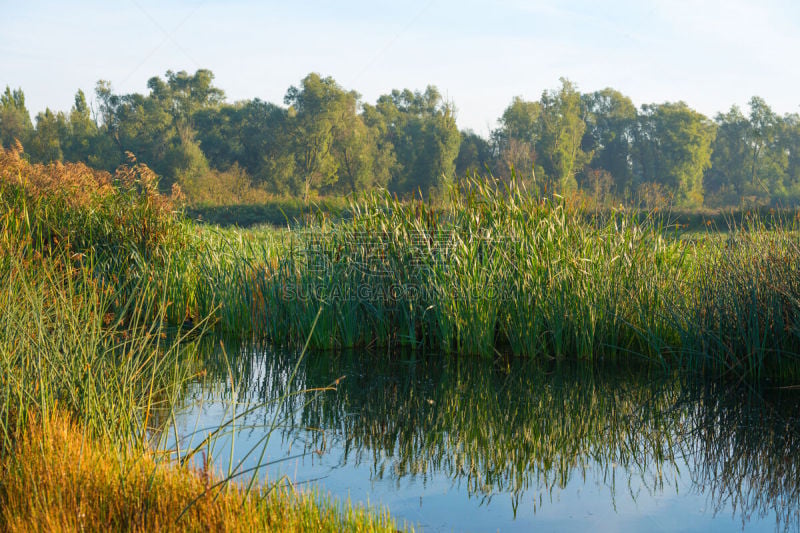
x=384, y=158
x=561, y=134
x=425, y=139
x=355, y=149
x=159, y=128
x=515, y=140
x=319, y=111
x=474, y=154
x=182, y=95
x=792, y=146
x=264, y=134
x=726, y=178
x=610, y=120
x=767, y=158
x=219, y=133
x=673, y=148
x=45, y=143
x=15, y=121
x=80, y=143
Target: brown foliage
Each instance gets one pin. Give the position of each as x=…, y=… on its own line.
x=74, y=183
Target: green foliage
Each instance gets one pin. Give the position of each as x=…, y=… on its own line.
x=91, y=372
x=560, y=143
x=474, y=154
x=611, y=119
x=15, y=121
x=594, y=147
x=272, y=211
x=515, y=140
x=422, y=129
x=673, y=149
x=498, y=270
x=320, y=111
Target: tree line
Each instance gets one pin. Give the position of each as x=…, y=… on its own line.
x=323, y=140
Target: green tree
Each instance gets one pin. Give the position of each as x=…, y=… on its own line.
x=474, y=154
x=354, y=148
x=266, y=147
x=159, y=128
x=561, y=135
x=219, y=133
x=610, y=120
x=15, y=121
x=320, y=111
x=515, y=140
x=182, y=95
x=673, y=149
x=81, y=140
x=726, y=179
x=792, y=146
x=767, y=158
x=45, y=143
x=425, y=138
x=384, y=162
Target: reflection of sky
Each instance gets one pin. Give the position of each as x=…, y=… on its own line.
x=598, y=497
x=710, y=53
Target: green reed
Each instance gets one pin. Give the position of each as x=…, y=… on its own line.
x=498, y=270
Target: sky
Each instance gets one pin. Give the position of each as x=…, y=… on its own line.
x=709, y=53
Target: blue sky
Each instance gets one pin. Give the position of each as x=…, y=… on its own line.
x=709, y=53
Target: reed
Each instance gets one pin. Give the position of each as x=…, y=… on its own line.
x=497, y=270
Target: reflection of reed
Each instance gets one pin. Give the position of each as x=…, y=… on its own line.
x=747, y=452
x=516, y=428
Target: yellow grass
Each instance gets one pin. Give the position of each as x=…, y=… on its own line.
x=59, y=479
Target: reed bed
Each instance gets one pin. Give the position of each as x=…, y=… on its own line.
x=497, y=271
x=492, y=270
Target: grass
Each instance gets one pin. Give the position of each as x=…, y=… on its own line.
x=95, y=353
x=491, y=270
x=61, y=480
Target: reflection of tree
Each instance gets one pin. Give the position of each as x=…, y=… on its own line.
x=516, y=428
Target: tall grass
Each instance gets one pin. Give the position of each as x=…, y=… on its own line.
x=62, y=480
x=498, y=270
x=82, y=328
x=95, y=272
x=745, y=315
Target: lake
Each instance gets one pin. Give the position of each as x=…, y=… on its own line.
x=461, y=444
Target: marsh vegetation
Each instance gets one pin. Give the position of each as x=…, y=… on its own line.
x=106, y=292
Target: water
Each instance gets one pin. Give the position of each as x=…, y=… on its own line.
x=467, y=445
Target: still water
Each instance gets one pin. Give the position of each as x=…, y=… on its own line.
x=451, y=444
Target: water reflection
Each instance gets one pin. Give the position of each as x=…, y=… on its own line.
x=512, y=443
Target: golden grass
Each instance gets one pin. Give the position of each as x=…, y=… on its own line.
x=59, y=479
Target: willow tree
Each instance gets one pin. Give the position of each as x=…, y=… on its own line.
x=15, y=121
x=561, y=132
x=672, y=148
x=320, y=111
